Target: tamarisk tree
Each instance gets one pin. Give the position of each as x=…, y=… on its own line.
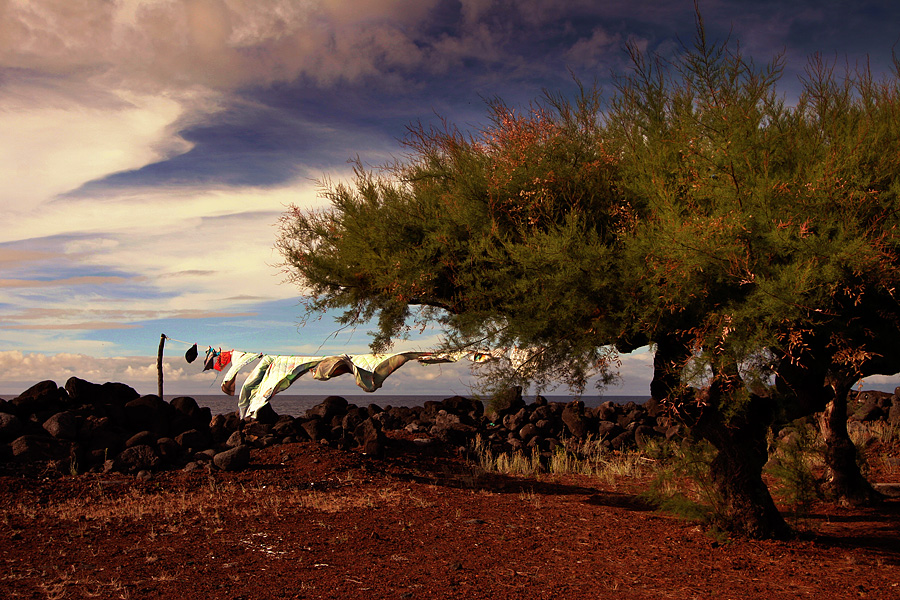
x=507, y=237
x=747, y=240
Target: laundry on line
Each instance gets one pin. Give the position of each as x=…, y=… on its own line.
x=275, y=373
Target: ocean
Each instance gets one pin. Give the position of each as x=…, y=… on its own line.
x=296, y=405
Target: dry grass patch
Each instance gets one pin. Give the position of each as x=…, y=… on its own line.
x=576, y=457
x=216, y=501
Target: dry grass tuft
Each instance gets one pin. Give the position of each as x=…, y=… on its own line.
x=585, y=457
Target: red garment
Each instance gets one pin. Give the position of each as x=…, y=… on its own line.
x=222, y=360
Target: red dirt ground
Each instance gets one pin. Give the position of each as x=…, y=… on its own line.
x=308, y=521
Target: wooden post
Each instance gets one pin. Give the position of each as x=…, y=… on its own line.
x=159, y=365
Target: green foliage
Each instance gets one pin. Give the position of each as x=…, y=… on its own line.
x=797, y=456
x=507, y=237
x=682, y=484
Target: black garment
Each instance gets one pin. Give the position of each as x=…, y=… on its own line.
x=210, y=361
x=191, y=354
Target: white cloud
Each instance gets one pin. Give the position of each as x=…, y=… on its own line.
x=58, y=148
x=600, y=50
x=221, y=44
x=157, y=254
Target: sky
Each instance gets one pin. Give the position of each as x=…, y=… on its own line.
x=149, y=147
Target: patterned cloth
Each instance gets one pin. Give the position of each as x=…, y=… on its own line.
x=370, y=370
x=273, y=374
x=239, y=360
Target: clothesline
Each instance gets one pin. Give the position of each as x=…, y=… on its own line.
x=275, y=373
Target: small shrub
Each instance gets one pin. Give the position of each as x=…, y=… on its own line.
x=682, y=484
x=794, y=461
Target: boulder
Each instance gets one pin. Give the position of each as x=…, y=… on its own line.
x=86, y=393
x=470, y=408
x=873, y=405
x=168, y=449
x=623, y=440
x=266, y=414
x=235, y=459
x=574, y=419
x=286, y=426
x=607, y=430
x=370, y=438
x=505, y=402
x=63, y=425
x=137, y=458
x=118, y=393
x=541, y=413
x=96, y=429
x=643, y=434
x=515, y=421
x=451, y=429
x=545, y=427
x=193, y=439
x=527, y=432
x=235, y=439
x=148, y=413
x=894, y=412
x=44, y=398
x=867, y=412
x=653, y=407
x=388, y=421
x=187, y=414
x=354, y=416
x=11, y=427
x=222, y=426
x=142, y=438
x=39, y=448
x=316, y=429
x=328, y=408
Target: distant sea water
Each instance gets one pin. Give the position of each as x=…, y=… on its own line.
x=296, y=406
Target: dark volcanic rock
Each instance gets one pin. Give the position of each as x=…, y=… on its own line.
x=63, y=425
x=222, y=426
x=188, y=415
x=369, y=436
x=148, y=413
x=574, y=418
x=235, y=459
x=10, y=426
x=328, y=408
x=86, y=393
x=266, y=414
x=894, y=412
x=450, y=429
x=168, y=449
x=193, y=439
x=505, y=402
x=38, y=448
x=44, y=398
x=142, y=438
x=137, y=458
x=316, y=429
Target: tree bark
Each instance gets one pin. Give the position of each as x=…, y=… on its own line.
x=845, y=482
x=736, y=424
x=159, y=365
x=746, y=506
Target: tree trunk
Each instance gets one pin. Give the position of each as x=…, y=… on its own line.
x=668, y=362
x=845, y=481
x=746, y=506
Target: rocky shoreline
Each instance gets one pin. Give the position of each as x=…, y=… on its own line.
x=89, y=427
